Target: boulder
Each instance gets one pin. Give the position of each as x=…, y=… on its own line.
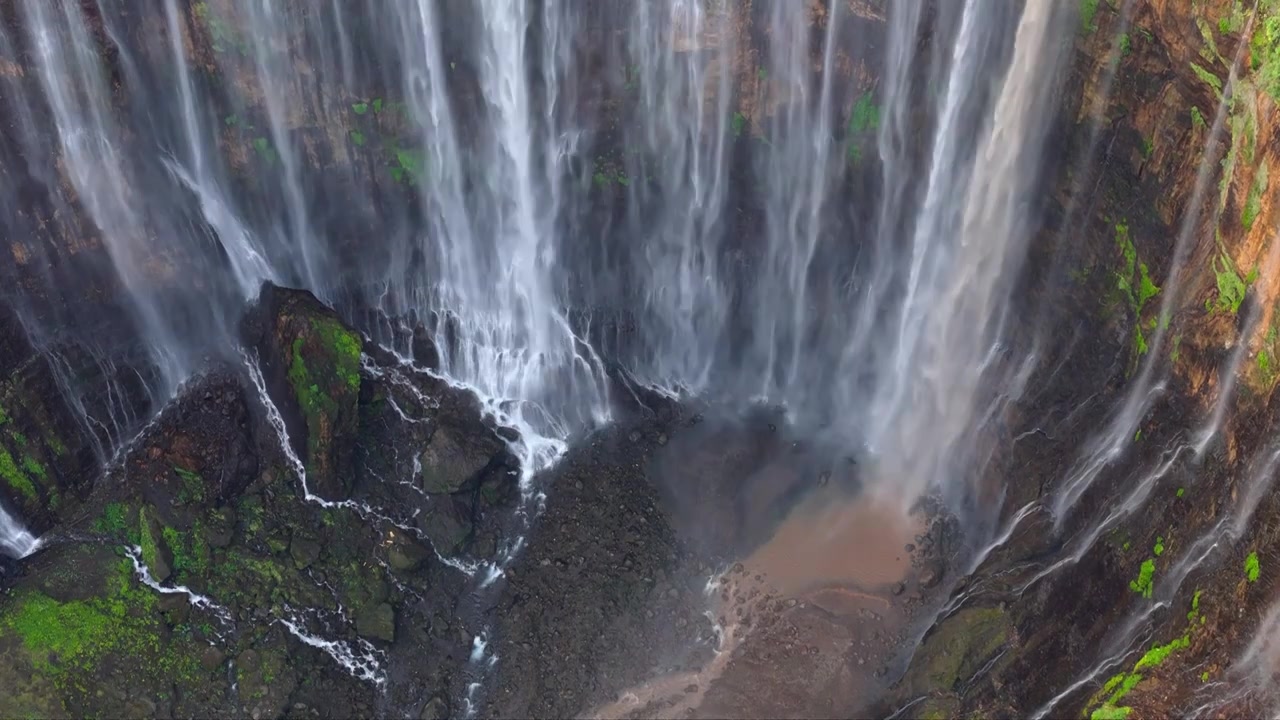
x=405, y=555
x=454, y=457
x=311, y=362
x=377, y=622
x=304, y=551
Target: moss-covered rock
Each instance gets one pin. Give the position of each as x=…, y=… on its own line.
x=956, y=649
x=100, y=645
x=312, y=360
x=377, y=622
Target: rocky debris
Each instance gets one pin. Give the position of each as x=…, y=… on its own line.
x=604, y=596
x=311, y=361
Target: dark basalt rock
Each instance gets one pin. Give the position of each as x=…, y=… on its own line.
x=311, y=362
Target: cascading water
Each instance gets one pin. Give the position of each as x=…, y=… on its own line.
x=436, y=160
x=825, y=207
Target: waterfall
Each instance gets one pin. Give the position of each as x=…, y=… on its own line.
x=15, y=540
x=710, y=198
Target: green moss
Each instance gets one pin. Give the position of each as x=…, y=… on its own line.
x=957, y=649
x=1125, y=45
x=1158, y=550
x=1209, y=78
x=70, y=642
x=1253, y=202
x=1111, y=712
x=738, y=124
x=1088, y=15
x=35, y=469
x=1142, y=584
x=1251, y=567
x=1158, y=654
x=147, y=540
x=190, y=552
x=864, y=118
x=192, y=485
x=1197, y=118
x=1231, y=287
x=16, y=478
x=112, y=521
x=1133, y=281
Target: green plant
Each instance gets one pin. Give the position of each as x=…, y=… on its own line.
x=1204, y=676
x=1253, y=202
x=357, y=137
x=360, y=108
x=15, y=477
x=262, y=146
x=1231, y=287
x=1158, y=550
x=1142, y=584
x=1134, y=283
x=1205, y=76
x=1181, y=491
x=738, y=124
x=1088, y=13
x=112, y=521
x=1251, y=568
x=864, y=118
x=1197, y=118
x=1124, y=44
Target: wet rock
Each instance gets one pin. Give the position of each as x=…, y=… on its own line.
x=212, y=657
x=312, y=367
x=437, y=708
x=956, y=649
x=220, y=528
x=156, y=555
x=425, y=352
x=265, y=681
x=304, y=551
x=177, y=606
x=405, y=555
x=930, y=575
x=377, y=622
x=453, y=458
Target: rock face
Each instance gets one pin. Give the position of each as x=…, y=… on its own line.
x=210, y=503
x=453, y=458
x=47, y=457
x=307, y=349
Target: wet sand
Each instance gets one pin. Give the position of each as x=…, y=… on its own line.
x=810, y=610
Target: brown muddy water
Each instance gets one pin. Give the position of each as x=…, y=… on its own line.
x=818, y=589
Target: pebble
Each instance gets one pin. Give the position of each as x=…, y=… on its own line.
x=899, y=588
x=910, y=547
x=662, y=438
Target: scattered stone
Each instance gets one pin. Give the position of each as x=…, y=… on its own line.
x=899, y=588
x=930, y=575
x=910, y=547
x=662, y=438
